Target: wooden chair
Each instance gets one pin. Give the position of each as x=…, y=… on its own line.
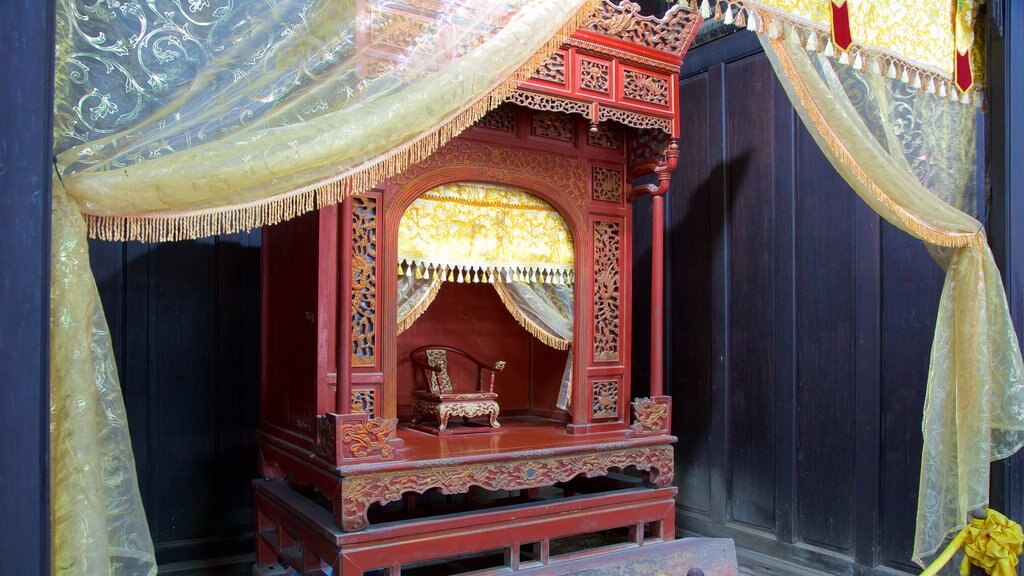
x=440, y=400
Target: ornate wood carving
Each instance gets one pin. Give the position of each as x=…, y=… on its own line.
x=645, y=87
x=554, y=125
x=364, y=402
x=503, y=164
x=647, y=147
x=553, y=69
x=652, y=415
x=426, y=411
x=605, y=399
x=364, y=280
x=605, y=136
x=359, y=492
x=368, y=437
x=635, y=119
x=670, y=33
x=501, y=118
x=607, y=241
x=607, y=183
x=536, y=101
x=594, y=76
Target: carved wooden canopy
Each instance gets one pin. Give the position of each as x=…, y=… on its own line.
x=619, y=66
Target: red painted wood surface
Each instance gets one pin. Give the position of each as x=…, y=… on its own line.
x=293, y=527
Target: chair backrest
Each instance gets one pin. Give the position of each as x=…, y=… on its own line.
x=439, y=381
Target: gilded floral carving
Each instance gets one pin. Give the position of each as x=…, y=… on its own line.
x=364, y=280
x=605, y=401
x=594, y=76
x=364, y=402
x=645, y=87
x=624, y=21
x=607, y=184
x=501, y=164
x=501, y=118
x=605, y=136
x=606, y=291
x=554, y=125
x=553, y=69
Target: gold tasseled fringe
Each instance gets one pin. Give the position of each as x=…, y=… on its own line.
x=472, y=274
x=762, y=19
x=914, y=224
x=226, y=220
x=525, y=321
x=406, y=321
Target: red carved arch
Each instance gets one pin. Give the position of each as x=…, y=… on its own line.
x=402, y=195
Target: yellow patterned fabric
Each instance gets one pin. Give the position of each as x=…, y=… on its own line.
x=99, y=525
x=905, y=39
x=178, y=120
x=911, y=157
x=467, y=232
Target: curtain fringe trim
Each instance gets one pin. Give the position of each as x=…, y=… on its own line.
x=915, y=225
x=405, y=322
x=474, y=274
x=527, y=323
x=183, y=226
x=816, y=37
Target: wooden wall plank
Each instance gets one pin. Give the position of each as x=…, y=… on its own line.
x=748, y=197
x=26, y=149
x=912, y=284
x=185, y=326
x=826, y=360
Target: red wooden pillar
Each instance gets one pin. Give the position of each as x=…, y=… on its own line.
x=343, y=346
x=657, y=293
x=664, y=171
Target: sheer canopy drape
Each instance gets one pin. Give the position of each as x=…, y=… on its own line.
x=177, y=120
x=546, y=311
x=911, y=155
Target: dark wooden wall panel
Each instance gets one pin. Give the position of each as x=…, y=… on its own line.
x=825, y=363
x=799, y=329
x=749, y=233
x=910, y=299
x=184, y=319
x=26, y=152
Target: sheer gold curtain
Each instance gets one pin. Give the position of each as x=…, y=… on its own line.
x=182, y=118
x=910, y=155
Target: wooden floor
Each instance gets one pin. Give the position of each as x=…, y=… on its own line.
x=518, y=437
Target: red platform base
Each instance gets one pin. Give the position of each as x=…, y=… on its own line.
x=526, y=538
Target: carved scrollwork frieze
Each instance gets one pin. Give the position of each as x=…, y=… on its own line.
x=536, y=101
x=635, y=119
x=359, y=492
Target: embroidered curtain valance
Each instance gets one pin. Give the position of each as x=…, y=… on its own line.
x=468, y=232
